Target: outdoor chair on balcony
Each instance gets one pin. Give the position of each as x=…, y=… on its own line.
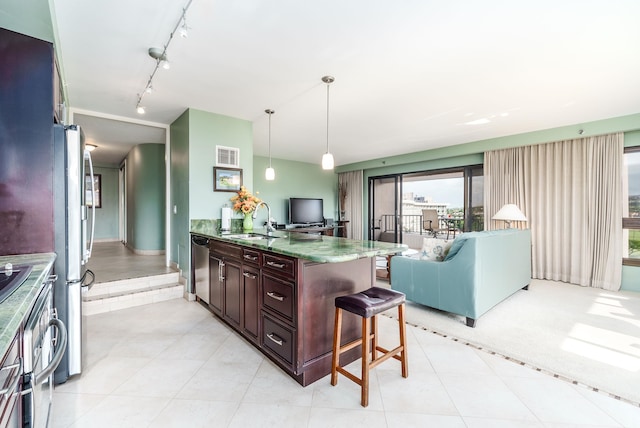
x=431, y=223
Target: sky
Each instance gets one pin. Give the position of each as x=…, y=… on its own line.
x=449, y=191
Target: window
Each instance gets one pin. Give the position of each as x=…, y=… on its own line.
x=631, y=208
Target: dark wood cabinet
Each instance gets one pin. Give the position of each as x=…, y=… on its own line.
x=251, y=302
x=232, y=292
x=284, y=305
x=216, y=283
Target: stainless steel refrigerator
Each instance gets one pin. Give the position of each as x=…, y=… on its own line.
x=74, y=223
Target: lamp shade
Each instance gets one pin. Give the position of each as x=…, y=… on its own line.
x=509, y=213
x=270, y=174
x=327, y=161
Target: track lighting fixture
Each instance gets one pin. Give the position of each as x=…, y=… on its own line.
x=184, y=29
x=327, y=158
x=270, y=173
x=160, y=56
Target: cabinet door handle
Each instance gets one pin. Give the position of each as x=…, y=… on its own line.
x=274, y=264
x=248, y=275
x=275, y=296
x=248, y=257
x=275, y=339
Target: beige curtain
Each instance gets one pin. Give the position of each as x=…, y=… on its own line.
x=571, y=193
x=353, y=181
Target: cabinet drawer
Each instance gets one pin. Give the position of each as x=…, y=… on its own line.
x=278, y=338
x=278, y=296
x=225, y=250
x=251, y=256
x=278, y=264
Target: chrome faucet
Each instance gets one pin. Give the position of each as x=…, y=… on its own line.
x=270, y=228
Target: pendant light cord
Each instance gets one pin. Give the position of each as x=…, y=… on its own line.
x=328, y=116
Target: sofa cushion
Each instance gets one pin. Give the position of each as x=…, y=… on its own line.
x=434, y=249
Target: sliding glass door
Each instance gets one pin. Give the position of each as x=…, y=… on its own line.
x=397, y=204
x=385, y=208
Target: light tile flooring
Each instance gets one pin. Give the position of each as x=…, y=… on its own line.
x=173, y=364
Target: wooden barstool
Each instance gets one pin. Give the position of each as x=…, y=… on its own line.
x=368, y=304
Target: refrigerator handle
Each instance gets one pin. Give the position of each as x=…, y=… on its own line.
x=87, y=156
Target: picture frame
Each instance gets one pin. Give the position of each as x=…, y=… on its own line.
x=97, y=180
x=227, y=179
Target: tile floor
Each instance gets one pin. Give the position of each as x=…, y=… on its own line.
x=173, y=364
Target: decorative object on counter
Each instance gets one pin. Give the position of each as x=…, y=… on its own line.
x=227, y=179
x=225, y=218
x=247, y=223
x=244, y=202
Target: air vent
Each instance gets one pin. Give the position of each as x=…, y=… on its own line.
x=227, y=156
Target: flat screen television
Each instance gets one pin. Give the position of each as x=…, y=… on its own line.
x=306, y=211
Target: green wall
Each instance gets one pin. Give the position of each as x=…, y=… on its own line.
x=108, y=215
x=194, y=136
x=146, y=197
x=293, y=179
x=30, y=17
x=206, y=130
x=179, y=170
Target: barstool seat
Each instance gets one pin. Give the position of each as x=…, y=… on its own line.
x=368, y=304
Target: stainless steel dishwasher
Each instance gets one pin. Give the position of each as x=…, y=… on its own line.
x=200, y=267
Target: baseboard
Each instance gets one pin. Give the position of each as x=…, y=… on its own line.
x=146, y=252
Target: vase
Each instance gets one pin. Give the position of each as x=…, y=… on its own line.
x=247, y=223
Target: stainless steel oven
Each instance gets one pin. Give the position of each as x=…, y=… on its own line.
x=44, y=343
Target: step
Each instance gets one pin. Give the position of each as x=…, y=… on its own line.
x=115, y=295
x=126, y=286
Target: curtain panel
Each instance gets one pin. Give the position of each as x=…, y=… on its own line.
x=571, y=193
x=353, y=182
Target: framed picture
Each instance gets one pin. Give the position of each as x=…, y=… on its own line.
x=97, y=181
x=227, y=179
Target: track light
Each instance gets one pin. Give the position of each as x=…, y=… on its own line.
x=160, y=55
x=184, y=29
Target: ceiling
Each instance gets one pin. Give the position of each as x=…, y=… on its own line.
x=409, y=76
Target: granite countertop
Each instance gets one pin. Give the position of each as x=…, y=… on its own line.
x=16, y=307
x=317, y=248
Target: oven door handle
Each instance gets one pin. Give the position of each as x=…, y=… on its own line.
x=61, y=346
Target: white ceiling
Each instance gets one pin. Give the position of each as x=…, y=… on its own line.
x=410, y=75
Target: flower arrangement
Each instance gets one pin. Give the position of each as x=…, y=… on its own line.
x=244, y=202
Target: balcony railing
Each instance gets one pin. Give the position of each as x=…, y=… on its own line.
x=412, y=223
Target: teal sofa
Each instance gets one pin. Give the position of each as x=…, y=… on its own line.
x=480, y=270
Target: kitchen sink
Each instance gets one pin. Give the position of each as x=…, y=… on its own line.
x=250, y=236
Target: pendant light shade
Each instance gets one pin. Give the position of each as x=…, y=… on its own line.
x=327, y=158
x=270, y=173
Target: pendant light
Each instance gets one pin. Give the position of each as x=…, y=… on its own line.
x=270, y=173
x=327, y=158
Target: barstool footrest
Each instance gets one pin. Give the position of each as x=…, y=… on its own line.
x=386, y=355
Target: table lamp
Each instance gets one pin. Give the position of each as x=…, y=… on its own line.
x=509, y=213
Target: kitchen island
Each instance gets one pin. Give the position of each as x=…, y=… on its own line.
x=278, y=291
